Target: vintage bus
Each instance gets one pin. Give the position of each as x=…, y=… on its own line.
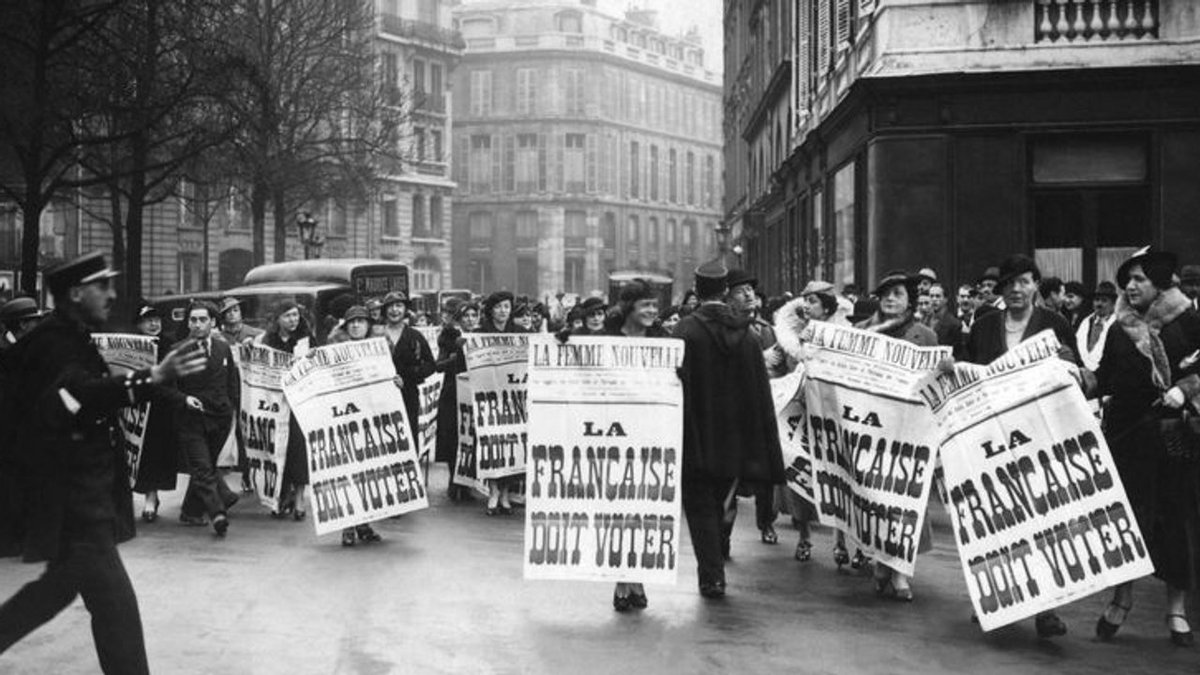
x=662, y=284
x=324, y=287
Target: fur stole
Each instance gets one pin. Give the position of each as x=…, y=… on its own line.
x=1143, y=329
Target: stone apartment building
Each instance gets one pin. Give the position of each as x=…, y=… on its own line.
x=584, y=143
x=867, y=135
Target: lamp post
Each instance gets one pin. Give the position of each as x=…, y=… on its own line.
x=306, y=225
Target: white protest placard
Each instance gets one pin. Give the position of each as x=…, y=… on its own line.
x=264, y=418
x=429, y=394
x=789, y=416
x=605, y=459
x=125, y=353
x=872, y=438
x=464, y=463
x=497, y=365
x=431, y=333
x=362, y=461
x=1039, y=512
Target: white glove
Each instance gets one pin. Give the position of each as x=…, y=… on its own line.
x=1173, y=398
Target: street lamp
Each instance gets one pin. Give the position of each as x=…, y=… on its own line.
x=306, y=225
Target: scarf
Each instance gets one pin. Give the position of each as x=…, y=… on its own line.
x=1144, y=328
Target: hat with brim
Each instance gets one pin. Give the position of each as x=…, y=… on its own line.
x=394, y=297
x=739, y=277
x=374, y=304
x=1151, y=261
x=20, y=309
x=228, y=304
x=990, y=274
x=591, y=305
x=927, y=273
x=148, y=312
x=894, y=278
x=356, y=312
x=494, y=299
x=817, y=288
x=1014, y=266
x=86, y=269
x=1075, y=288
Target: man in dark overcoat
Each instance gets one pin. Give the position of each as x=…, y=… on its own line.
x=74, y=504
x=729, y=429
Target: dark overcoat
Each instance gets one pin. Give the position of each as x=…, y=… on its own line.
x=414, y=362
x=1162, y=489
x=451, y=363
x=64, y=468
x=729, y=428
x=986, y=342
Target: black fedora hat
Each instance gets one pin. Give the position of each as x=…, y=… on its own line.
x=1014, y=266
x=737, y=277
x=1106, y=289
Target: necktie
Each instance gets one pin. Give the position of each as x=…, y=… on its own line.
x=1094, y=332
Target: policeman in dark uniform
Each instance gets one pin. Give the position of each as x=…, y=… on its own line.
x=74, y=504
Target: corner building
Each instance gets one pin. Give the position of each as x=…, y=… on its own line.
x=583, y=143
x=868, y=135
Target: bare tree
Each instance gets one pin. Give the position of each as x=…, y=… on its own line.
x=45, y=97
x=314, y=118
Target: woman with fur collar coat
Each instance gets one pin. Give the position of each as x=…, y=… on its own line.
x=1150, y=370
x=817, y=302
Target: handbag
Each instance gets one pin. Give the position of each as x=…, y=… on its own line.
x=1181, y=436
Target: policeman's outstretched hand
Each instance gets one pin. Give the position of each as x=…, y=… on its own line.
x=187, y=359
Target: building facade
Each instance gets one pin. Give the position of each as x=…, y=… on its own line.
x=868, y=135
x=200, y=239
x=584, y=143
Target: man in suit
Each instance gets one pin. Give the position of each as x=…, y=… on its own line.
x=67, y=497
x=1092, y=332
x=203, y=423
x=996, y=332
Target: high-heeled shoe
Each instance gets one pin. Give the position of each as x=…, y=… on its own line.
x=367, y=534
x=622, y=603
x=804, y=551
x=769, y=536
x=859, y=561
x=1105, y=629
x=299, y=514
x=840, y=555
x=347, y=537
x=150, y=514
x=638, y=599
x=1180, y=638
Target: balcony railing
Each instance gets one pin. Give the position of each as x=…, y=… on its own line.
x=421, y=30
x=1095, y=20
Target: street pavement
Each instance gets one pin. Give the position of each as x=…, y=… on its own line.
x=443, y=593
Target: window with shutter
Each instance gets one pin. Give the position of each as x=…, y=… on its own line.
x=844, y=17
x=823, y=37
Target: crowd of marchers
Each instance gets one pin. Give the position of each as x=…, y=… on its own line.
x=1134, y=342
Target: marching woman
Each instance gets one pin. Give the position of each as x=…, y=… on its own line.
x=457, y=316
x=289, y=332
x=411, y=356
x=1151, y=371
x=995, y=332
x=594, y=313
x=158, y=464
x=636, y=316
x=356, y=325
x=497, y=318
x=817, y=302
x=897, y=294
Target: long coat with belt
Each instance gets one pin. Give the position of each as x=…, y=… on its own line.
x=64, y=470
x=729, y=428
